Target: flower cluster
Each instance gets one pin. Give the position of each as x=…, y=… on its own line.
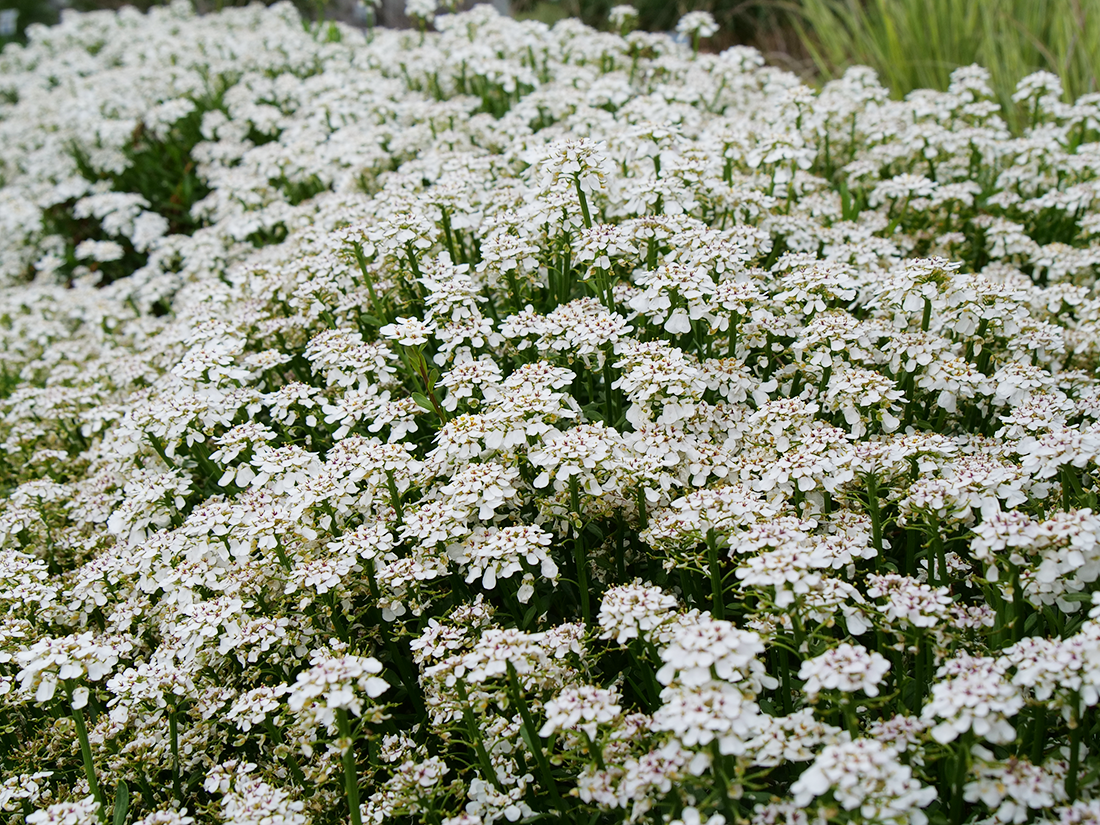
x=494, y=423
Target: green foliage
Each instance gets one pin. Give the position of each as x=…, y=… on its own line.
x=27, y=12
x=915, y=44
x=160, y=169
x=740, y=22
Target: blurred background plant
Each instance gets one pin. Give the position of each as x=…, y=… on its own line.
x=912, y=44
x=16, y=15
x=916, y=44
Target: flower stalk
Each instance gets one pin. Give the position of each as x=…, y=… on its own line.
x=351, y=778
x=86, y=755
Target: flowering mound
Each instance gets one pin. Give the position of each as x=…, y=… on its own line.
x=507, y=424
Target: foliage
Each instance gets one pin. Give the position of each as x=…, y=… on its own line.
x=503, y=424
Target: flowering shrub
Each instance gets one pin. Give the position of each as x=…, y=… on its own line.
x=500, y=423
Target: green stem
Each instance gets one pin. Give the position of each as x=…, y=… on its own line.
x=475, y=737
x=361, y=260
x=1039, y=735
x=643, y=520
x=566, y=276
x=160, y=449
x=796, y=626
x=86, y=754
x=850, y=723
x=395, y=497
x=722, y=780
x=351, y=780
x=719, y=602
x=1067, y=487
x=579, y=555
x=876, y=518
x=533, y=739
x=1074, y=750
x=920, y=678
x=514, y=295
x=962, y=766
x=581, y=560
x=610, y=407
x=449, y=239
x=1016, y=633
x=594, y=751
x=908, y=396
x=941, y=560
x=620, y=548
x=414, y=265
x=584, y=202
x=173, y=732
x=785, y=679
x=281, y=555
x=291, y=760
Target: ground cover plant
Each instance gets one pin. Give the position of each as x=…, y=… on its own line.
x=504, y=424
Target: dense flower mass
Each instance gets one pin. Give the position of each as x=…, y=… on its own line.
x=495, y=423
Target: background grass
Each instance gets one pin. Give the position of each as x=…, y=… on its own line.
x=915, y=44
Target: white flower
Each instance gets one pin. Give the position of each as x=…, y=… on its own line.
x=582, y=160
x=82, y=812
x=167, y=817
x=622, y=16
x=102, y=251
x=582, y=708
x=703, y=649
x=697, y=24
x=972, y=694
x=67, y=659
x=492, y=554
x=865, y=775
x=410, y=332
x=27, y=786
x=846, y=668
x=336, y=682
x=712, y=712
x=421, y=9
x=249, y=800
x=1010, y=789
x=633, y=610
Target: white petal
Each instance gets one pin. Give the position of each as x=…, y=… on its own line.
x=80, y=698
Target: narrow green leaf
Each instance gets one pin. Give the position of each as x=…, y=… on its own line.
x=122, y=803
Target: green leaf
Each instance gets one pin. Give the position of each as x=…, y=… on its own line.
x=529, y=616
x=593, y=412
x=423, y=402
x=122, y=803
x=1076, y=597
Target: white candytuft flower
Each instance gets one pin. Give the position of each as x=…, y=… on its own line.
x=333, y=683
x=67, y=659
x=972, y=694
x=697, y=24
x=82, y=812
x=846, y=668
x=867, y=776
x=582, y=708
